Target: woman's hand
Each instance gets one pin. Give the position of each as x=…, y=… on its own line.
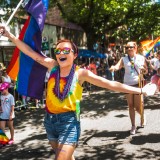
x=10, y=117
x=142, y=69
x=112, y=69
x=4, y=32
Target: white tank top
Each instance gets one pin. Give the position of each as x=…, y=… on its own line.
x=131, y=75
x=7, y=79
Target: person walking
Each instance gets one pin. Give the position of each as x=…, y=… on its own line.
x=7, y=115
x=155, y=63
x=134, y=64
x=64, y=93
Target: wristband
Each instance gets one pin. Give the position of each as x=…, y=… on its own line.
x=141, y=91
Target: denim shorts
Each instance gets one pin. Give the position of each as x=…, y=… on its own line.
x=62, y=128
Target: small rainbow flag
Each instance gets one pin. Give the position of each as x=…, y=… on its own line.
x=3, y=138
x=28, y=73
x=148, y=45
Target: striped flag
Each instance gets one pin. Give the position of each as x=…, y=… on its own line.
x=3, y=138
x=148, y=45
x=28, y=73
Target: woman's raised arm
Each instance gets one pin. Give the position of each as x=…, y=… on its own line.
x=45, y=61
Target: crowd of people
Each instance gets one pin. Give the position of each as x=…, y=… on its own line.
x=112, y=57
x=64, y=90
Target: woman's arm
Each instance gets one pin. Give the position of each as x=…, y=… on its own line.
x=118, y=66
x=11, y=113
x=2, y=79
x=86, y=75
x=47, y=62
x=146, y=67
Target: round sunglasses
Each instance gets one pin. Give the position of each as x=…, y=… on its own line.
x=130, y=47
x=65, y=50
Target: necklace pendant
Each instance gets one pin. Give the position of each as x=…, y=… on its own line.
x=132, y=72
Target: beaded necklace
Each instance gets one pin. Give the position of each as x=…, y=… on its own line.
x=132, y=64
x=67, y=86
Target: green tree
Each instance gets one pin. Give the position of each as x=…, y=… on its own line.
x=137, y=18
x=125, y=19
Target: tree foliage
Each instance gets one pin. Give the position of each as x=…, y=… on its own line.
x=121, y=19
x=126, y=19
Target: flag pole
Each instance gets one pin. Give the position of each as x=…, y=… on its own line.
x=10, y=18
x=15, y=10
x=141, y=83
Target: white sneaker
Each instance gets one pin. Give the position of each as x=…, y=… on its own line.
x=133, y=130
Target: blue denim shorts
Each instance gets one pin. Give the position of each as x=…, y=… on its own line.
x=62, y=128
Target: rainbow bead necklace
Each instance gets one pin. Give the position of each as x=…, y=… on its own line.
x=67, y=86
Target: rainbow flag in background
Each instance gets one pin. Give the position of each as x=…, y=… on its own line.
x=28, y=73
x=158, y=43
x=148, y=45
x=3, y=138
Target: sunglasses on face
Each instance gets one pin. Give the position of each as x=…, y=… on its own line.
x=64, y=50
x=130, y=47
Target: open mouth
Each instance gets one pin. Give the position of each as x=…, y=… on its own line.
x=62, y=59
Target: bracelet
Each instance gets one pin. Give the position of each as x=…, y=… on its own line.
x=141, y=91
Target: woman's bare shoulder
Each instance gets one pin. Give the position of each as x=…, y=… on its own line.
x=51, y=63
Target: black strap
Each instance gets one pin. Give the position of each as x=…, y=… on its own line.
x=129, y=58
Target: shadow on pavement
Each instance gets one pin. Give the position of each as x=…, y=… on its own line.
x=102, y=102
x=151, y=138
x=94, y=144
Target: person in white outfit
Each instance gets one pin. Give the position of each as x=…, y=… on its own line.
x=6, y=78
x=134, y=64
x=156, y=63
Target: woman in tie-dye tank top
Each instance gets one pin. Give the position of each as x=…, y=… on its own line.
x=64, y=92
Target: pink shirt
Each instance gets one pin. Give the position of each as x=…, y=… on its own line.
x=156, y=80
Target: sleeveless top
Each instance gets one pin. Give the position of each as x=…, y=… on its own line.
x=53, y=103
x=131, y=76
x=7, y=79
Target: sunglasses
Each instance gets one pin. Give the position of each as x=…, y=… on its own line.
x=65, y=50
x=130, y=47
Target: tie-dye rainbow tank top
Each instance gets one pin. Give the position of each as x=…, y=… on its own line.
x=53, y=103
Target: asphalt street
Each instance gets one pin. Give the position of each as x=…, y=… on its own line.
x=105, y=126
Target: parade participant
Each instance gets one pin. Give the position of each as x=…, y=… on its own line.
x=7, y=115
x=155, y=64
x=133, y=64
x=64, y=92
x=156, y=78
x=92, y=67
x=154, y=84
x=6, y=78
x=152, y=62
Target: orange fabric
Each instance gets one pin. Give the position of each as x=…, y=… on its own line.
x=93, y=68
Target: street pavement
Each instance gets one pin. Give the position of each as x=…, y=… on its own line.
x=105, y=126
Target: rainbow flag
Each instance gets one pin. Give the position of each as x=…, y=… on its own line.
x=28, y=73
x=148, y=45
x=3, y=138
x=157, y=43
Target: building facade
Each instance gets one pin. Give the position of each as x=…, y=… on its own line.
x=55, y=28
